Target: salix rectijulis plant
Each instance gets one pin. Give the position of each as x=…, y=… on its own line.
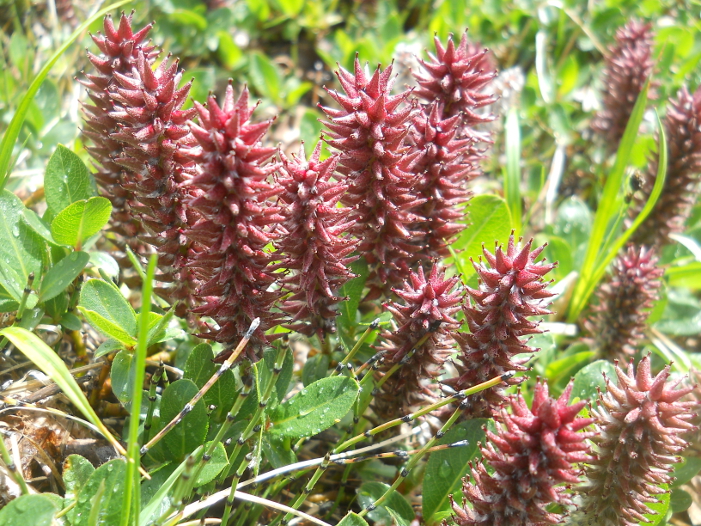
x=274, y=333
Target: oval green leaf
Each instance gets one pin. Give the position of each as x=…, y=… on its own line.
x=315, y=408
x=370, y=492
x=102, y=495
x=591, y=377
x=38, y=225
x=122, y=376
x=213, y=466
x=353, y=519
x=37, y=510
x=490, y=220
x=66, y=180
x=192, y=430
x=20, y=254
x=199, y=368
x=80, y=220
x=106, y=300
x=446, y=468
x=62, y=274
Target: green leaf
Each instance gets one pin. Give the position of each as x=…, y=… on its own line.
x=353, y=290
x=157, y=328
x=105, y=262
x=278, y=450
x=512, y=175
x=71, y=321
x=352, y=520
x=315, y=408
x=310, y=128
x=80, y=220
x=57, y=279
x=102, y=495
x=66, y=180
x=446, y=468
x=369, y=492
x=568, y=75
x=19, y=254
x=558, y=369
x=187, y=17
x=265, y=76
x=573, y=224
x=559, y=250
x=686, y=471
x=199, y=368
x=609, y=207
x=290, y=7
x=38, y=225
x=285, y=376
x=315, y=368
x=161, y=500
x=57, y=306
x=37, y=510
x=122, y=376
x=76, y=472
x=612, y=249
x=105, y=299
x=13, y=130
x=7, y=302
x=397, y=518
x=31, y=318
x=192, y=430
x=489, y=221
x=591, y=377
x=108, y=346
x=679, y=500
x=228, y=52
x=213, y=466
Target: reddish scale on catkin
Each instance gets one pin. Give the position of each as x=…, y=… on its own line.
x=119, y=47
x=534, y=454
x=628, y=66
x=233, y=196
x=370, y=133
x=624, y=302
x=421, y=340
x=511, y=290
x=640, y=426
x=682, y=126
x=455, y=78
x=154, y=133
x=317, y=247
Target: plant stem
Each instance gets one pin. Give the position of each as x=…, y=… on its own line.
x=250, y=429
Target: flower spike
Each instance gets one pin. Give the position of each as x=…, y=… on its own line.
x=511, y=290
x=317, y=247
x=232, y=196
x=640, y=426
x=533, y=453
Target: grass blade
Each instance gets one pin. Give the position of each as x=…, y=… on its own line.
x=609, y=206
x=48, y=361
x=8, y=140
x=133, y=457
x=512, y=177
x=649, y=205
